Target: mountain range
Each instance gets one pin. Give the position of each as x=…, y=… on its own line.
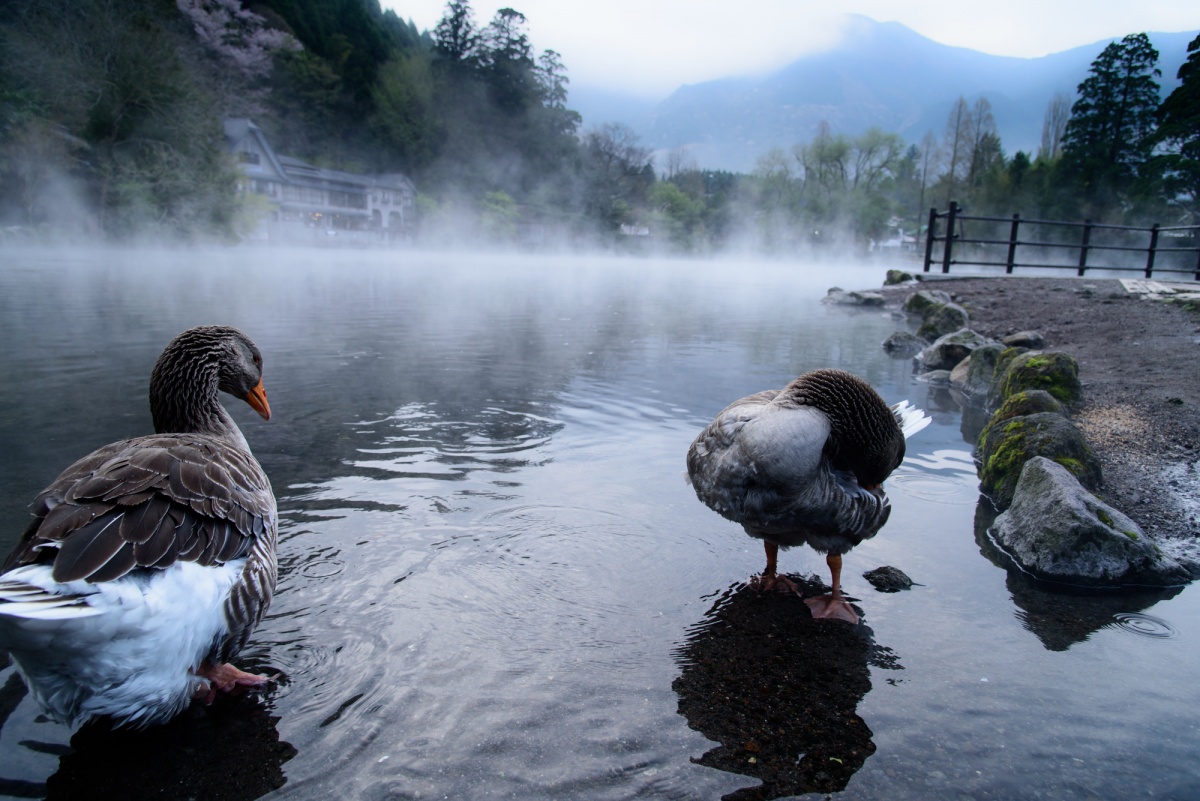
x=881, y=74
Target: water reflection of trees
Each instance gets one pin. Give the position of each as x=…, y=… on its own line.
x=778, y=691
x=1058, y=614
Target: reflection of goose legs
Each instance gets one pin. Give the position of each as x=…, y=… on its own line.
x=832, y=606
x=768, y=580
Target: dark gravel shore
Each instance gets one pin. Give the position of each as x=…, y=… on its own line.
x=1137, y=363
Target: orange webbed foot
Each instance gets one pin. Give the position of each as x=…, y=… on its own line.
x=829, y=607
x=777, y=583
x=226, y=678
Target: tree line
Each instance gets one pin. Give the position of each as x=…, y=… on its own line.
x=111, y=113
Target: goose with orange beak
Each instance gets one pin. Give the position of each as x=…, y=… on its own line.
x=149, y=562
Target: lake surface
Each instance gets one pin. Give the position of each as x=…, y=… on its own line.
x=490, y=560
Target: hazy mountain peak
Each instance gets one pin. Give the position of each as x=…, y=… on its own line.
x=881, y=74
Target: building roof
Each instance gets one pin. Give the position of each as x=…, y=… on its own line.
x=295, y=171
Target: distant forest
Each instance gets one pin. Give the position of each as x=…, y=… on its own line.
x=111, y=113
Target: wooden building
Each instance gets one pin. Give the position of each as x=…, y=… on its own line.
x=315, y=205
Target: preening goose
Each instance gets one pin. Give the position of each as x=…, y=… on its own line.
x=150, y=561
x=805, y=465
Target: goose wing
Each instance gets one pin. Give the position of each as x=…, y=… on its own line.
x=148, y=502
x=152, y=501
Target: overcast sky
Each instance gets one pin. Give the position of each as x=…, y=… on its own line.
x=650, y=47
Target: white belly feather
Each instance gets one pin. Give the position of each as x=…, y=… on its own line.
x=124, y=648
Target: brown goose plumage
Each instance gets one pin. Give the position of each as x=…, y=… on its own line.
x=177, y=521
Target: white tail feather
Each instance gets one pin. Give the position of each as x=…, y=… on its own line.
x=910, y=418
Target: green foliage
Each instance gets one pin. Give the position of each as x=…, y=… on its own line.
x=1179, y=132
x=1107, y=142
x=499, y=216
x=132, y=126
x=403, y=120
x=122, y=100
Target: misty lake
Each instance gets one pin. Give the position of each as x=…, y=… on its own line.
x=491, y=562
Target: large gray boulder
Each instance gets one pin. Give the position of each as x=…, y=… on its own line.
x=948, y=350
x=1057, y=530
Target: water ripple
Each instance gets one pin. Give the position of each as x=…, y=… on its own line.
x=1143, y=625
x=942, y=476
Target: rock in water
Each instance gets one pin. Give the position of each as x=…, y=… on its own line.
x=888, y=579
x=1057, y=530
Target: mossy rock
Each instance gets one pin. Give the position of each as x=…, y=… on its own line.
x=942, y=320
x=1006, y=445
x=897, y=277
x=981, y=372
x=1023, y=404
x=949, y=350
x=1052, y=371
x=922, y=302
x=1003, y=361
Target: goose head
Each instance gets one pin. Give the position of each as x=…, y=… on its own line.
x=193, y=368
x=865, y=438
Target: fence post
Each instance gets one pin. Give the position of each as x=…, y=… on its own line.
x=1012, y=244
x=1151, y=250
x=1083, y=247
x=1196, y=275
x=931, y=235
x=951, y=216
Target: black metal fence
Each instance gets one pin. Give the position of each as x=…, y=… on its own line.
x=1053, y=244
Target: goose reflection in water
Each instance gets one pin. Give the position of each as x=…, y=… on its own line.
x=778, y=691
x=230, y=751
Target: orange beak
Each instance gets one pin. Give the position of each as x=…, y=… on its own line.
x=257, y=398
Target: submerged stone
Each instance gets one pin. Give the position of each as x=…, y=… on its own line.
x=902, y=344
x=888, y=579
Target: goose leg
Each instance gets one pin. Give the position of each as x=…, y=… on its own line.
x=226, y=678
x=833, y=606
x=769, y=580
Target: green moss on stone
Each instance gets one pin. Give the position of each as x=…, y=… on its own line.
x=1006, y=446
x=1054, y=372
x=1104, y=516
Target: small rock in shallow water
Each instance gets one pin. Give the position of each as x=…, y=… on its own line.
x=888, y=579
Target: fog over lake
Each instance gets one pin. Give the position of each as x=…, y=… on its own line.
x=490, y=561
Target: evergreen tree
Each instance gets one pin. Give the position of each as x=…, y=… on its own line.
x=456, y=37
x=1107, y=142
x=1179, y=131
